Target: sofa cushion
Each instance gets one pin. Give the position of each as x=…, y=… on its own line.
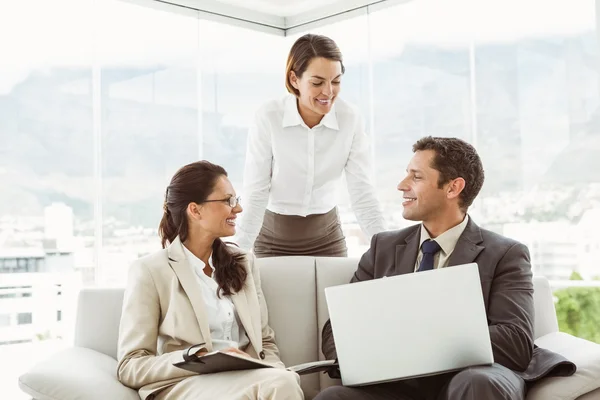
x=583, y=353
x=595, y=395
x=288, y=284
x=76, y=373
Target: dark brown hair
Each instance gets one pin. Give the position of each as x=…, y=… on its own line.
x=304, y=50
x=455, y=158
x=193, y=183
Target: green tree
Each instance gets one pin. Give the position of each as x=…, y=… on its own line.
x=575, y=276
x=578, y=312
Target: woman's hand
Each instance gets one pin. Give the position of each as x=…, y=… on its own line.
x=201, y=352
x=236, y=351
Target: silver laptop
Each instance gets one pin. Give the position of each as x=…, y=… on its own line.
x=409, y=325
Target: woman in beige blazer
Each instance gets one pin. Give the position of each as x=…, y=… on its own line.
x=197, y=290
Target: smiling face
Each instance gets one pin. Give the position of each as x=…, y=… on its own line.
x=423, y=199
x=318, y=86
x=217, y=218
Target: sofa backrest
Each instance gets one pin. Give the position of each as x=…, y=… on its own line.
x=288, y=284
x=545, y=312
x=294, y=289
x=97, y=320
x=330, y=272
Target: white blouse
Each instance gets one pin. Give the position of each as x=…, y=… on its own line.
x=226, y=330
x=294, y=170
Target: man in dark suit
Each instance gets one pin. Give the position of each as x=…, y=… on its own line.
x=443, y=178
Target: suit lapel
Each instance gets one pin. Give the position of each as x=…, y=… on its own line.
x=406, y=254
x=187, y=280
x=468, y=246
x=467, y=249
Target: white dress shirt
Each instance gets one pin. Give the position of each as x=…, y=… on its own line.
x=226, y=330
x=292, y=169
x=447, y=242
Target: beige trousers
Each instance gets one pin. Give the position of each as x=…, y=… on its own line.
x=256, y=384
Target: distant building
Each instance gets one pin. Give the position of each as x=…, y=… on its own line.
x=32, y=282
x=58, y=225
x=589, y=242
x=553, y=246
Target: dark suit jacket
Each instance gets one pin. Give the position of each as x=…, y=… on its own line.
x=506, y=281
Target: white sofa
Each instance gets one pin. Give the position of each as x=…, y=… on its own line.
x=294, y=290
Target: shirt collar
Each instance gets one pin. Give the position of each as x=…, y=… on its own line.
x=330, y=119
x=291, y=116
x=196, y=263
x=448, y=239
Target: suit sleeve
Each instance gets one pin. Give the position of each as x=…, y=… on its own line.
x=511, y=310
x=139, y=364
x=268, y=335
x=364, y=272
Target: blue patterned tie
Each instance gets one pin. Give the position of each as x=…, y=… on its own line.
x=429, y=248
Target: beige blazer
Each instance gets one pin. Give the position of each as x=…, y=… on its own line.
x=163, y=314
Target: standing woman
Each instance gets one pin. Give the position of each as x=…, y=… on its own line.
x=297, y=150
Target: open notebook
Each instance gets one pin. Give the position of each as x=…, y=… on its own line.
x=219, y=361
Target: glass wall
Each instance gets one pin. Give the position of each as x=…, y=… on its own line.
x=150, y=124
x=46, y=162
x=46, y=174
x=421, y=86
x=101, y=102
x=240, y=70
x=520, y=85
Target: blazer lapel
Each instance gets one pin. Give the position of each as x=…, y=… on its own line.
x=406, y=254
x=187, y=280
x=468, y=246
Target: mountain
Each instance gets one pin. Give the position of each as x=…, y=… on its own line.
x=535, y=105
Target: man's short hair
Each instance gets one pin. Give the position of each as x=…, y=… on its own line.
x=455, y=158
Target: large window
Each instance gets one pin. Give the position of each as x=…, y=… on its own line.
x=522, y=86
x=519, y=85
x=46, y=170
x=240, y=70
x=179, y=99
x=537, y=119
x=102, y=101
x=421, y=86
x=46, y=149
x=150, y=125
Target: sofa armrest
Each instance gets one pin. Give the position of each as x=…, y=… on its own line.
x=585, y=355
x=76, y=373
